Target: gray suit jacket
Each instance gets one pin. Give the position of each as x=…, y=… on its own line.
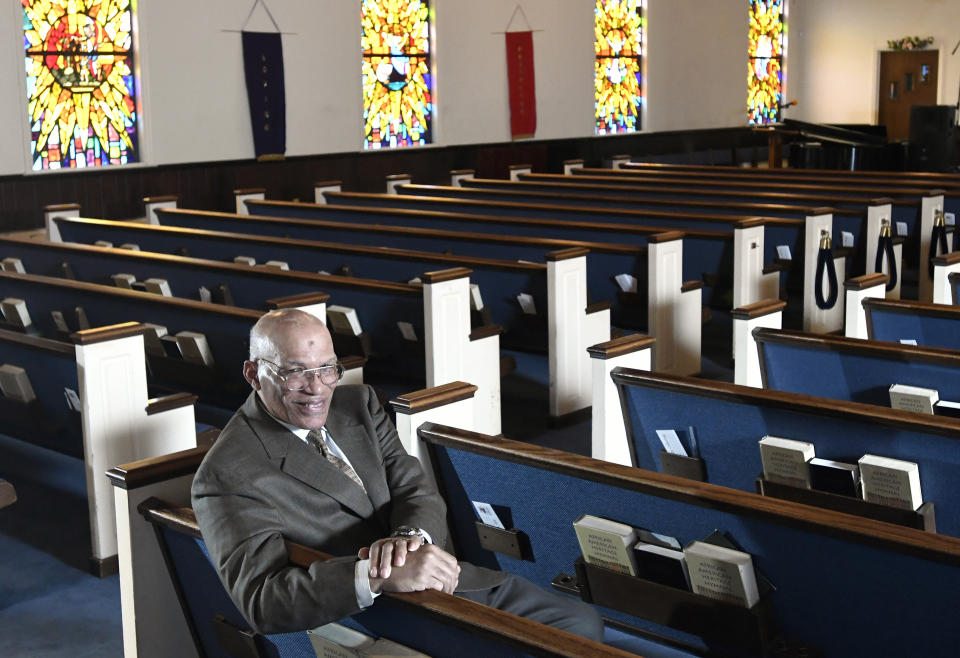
x=260, y=484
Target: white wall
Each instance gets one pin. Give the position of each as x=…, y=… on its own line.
x=834, y=62
x=696, y=64
x=194, y=99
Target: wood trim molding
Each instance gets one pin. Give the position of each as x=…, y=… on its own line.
x=110, y=332
x=430, y=398
x=597, y=307
x=302, y=299
x=451, y=274
x=620, y=346
x=168, y=402
x=49, y=344
x=951, y=258
x=758, y=309
x=565, y=254
x=61, y=206
x=251, y=190
x=865, y=281
x=880, y=201
x=485, y=331
x=157, y=469
x=665, y=236
x=328, y=183
x=161, y=199
x=353, y=361
x=693, y=284
x=910, y=306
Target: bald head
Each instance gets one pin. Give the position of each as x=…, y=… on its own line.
x=274, y=327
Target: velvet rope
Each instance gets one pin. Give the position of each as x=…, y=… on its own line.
x=885, y=249
x=939, y=236
x=826, y=265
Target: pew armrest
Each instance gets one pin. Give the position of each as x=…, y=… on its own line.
x=857, y=289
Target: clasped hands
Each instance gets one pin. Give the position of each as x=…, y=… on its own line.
x=406, y=564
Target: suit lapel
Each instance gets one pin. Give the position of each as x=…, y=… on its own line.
x=302, y=461
x=352, y=438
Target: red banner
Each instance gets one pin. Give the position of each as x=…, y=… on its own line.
x=523, y=90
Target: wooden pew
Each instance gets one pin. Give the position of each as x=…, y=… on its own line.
x=845, y=585
x=915, y=178
x=153, y=624
x=104, y=371
x=672, y=310
x=849, y=369
x=573, y=325
x=672, y=305
x=932, y=325
x=803, y=237
x=569, y=191
x=934, y=201
x=729, y=420
x=379, y=305
x=429, y=621
x=219, y=385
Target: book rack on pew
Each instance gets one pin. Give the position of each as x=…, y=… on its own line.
x=924, y=518
x=752, y=629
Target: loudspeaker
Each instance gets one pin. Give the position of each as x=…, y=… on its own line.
x=933, y=138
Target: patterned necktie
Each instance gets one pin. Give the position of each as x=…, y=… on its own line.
x=319, y=440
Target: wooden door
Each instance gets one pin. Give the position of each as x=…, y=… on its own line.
x=907, y=78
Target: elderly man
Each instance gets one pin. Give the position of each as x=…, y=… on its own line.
x=319, y=464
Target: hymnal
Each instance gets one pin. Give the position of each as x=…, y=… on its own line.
x=786, y=461
x=721, y=573
x=130, y=246
x=892, y=482
x=343, y=320
x=15, y=312
x=278, y=264
x=194, y=347
x=337, y=641
x=12, y=265
x=15, y=384
x=526, y=303
x=947, y=408
x=158, y=287
x=606, y=543
x=662, y=564
x=245, y=260
x=913, y=398
x=123, y=280
x=409, y=333
x=835, y=477
x=151, y=338
x=476, y=300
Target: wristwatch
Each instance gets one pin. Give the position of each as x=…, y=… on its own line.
x=409, y=531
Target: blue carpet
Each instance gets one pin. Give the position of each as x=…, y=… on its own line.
x=49, y=604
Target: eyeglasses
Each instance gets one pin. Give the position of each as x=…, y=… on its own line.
x=297, y=378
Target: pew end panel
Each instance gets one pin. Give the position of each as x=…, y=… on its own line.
x=517, y=170
x=571, y=329
x=152, y=203
x=856, y=291
x=240, y=197
x=153, y=624
x=608, y=436
x=751, y=280
x=674, y=314
x=457, y=175
x=120, y=424
x=880, y=213
x=58, y=210
x=451, y=352
x=320, y=188
x=931, y=206
x=944, y=269
x=815, y=319
x=747, y=370
x=393, y=181
x=453, y=402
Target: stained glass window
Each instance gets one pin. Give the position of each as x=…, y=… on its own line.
x=397, y=83
x=81, y=90
x=618, y=38
x=765, y=60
